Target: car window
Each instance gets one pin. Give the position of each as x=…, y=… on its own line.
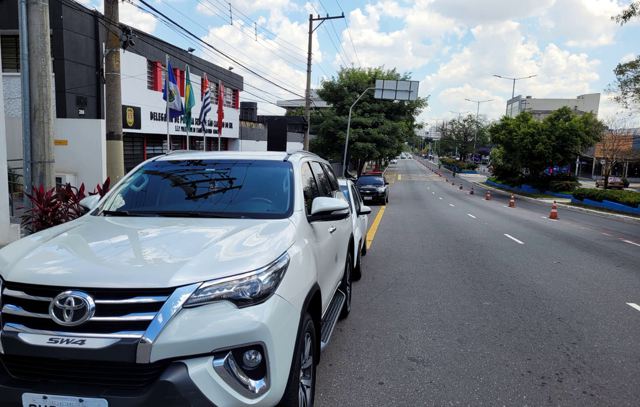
x=206, y=188
x=370, y=180
x=309, y=187
x=356, y=198
x=345, y=191
x=321, y=178
x=331, y=176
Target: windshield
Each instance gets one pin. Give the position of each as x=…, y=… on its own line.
x=368, y=180
x=206, y=188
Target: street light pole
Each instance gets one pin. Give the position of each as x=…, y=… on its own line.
x=346, y=143
x=475, y=137
x=513, y=88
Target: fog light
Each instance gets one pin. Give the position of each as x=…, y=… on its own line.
x=251, y=359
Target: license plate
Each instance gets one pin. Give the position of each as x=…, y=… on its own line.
x=367, y=198
x=47, y=400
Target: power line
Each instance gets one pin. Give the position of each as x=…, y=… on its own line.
x=101, y=19
x=349, y=32
x=331, y=39
x=230, y=58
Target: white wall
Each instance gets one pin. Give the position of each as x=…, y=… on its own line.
x=252, y=145
x=85, y=153
x=8, y=232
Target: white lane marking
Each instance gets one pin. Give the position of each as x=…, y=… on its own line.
x=428, y=187
x=433, y=193
x=634, y=306
x=439, y=197
x=452, y=205
x=470, y=215
x=606, y=234
x=513, y=238
x=505, y=206
x=547, y=218
x=630, y=242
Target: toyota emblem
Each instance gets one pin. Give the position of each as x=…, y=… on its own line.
x=72, y=308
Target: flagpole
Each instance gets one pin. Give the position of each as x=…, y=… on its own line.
x=187, y=124
x=166, y=89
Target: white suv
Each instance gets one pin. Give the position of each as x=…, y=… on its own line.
x=200, y=279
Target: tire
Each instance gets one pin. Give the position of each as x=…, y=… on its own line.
x=357, y=271
x=301, y=386
x=386, y=199
x=346, y=288
x=364, y=249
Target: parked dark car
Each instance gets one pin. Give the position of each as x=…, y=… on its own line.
x=373, y=188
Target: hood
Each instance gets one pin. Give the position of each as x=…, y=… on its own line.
x=132, y=252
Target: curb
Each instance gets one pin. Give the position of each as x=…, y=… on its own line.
x=563, y=204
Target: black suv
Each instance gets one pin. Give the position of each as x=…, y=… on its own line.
x=373, y=188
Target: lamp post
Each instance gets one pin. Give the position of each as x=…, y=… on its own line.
x=513, y=88
x=346, y=143
x=477, y=113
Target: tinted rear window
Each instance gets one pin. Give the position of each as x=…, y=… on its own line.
x=370, y=180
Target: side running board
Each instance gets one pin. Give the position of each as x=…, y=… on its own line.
x=331, y=317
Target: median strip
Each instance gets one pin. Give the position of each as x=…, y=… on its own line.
x=513, y=238
x=374, y=227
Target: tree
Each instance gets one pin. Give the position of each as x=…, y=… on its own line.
x=627, y=83
x=526, y=147
x=615, y=146
x=460, y=135
x=379, y=128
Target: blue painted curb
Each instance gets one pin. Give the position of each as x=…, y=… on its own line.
x=612, y=206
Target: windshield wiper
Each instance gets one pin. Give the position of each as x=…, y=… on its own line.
x=121, y=213
x=195, y=214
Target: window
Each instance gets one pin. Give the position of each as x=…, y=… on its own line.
x=332, y=176
x=309, y=187
x=357, y=199
x=207, y=188
x=345, y=192
x=10, y=45
x=321, y=178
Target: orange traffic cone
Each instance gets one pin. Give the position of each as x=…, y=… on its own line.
x=487, y=196
x=554, y=211
x=512, y=202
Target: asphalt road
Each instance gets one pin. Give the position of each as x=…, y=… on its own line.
x=468, y=302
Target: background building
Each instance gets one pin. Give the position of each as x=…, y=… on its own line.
x=77, y=42
x=541, y=108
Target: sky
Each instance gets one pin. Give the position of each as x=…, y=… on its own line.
x=453, y=47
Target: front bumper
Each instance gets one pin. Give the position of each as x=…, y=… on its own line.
x=173, y=388
x=193, y=339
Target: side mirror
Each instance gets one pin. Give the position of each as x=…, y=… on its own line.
x=325, y=209
x=90, y=203
x=364, y=210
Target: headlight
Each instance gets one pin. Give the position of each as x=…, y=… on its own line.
x=380, y=189
x=243, y=289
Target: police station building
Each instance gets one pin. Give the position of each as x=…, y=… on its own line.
x=78, y=37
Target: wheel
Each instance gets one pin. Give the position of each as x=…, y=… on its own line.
x=386, y=199
x=301, y=386
x=345, y=287
x=357, y=271
x=364, y=249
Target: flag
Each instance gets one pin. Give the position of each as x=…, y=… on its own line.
x=174, y=101
x=220, y=107
x=189, y=99
x=206, y=103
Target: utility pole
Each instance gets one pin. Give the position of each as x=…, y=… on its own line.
x=113, y=92
x=26, y=102
x=307, y=93
x=513, y=88
x=475, y=137
x=40, y=82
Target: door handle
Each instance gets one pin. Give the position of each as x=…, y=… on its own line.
x=332, y=229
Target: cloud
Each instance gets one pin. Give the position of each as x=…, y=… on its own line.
x=582, y=23
x=474, y=13
x=133, y=16
x=502, y=48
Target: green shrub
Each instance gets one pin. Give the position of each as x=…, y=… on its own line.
x=563, y=186
x=629, y=198
x=453, y=164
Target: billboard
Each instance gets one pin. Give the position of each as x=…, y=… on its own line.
x=396, y=90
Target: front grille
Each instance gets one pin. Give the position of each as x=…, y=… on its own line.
x=118, y=311
x=104, y=374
